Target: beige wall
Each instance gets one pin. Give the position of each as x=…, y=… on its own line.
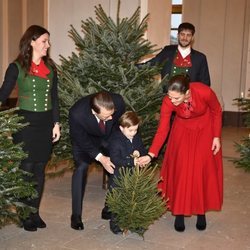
x=220, y=35
x=222, y=32
x=16, y=16
x=78, y=10
x=2, y=41
x=159, y=22
x=245, y=80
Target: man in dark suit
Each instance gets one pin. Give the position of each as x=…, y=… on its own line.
x=182, y=59
x=92, y=120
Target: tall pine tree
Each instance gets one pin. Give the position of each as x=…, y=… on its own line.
x=244, y=147
x=12, y=185
x=106, y=59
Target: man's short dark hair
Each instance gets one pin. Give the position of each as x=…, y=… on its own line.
x=186, y=26
x=100, y=100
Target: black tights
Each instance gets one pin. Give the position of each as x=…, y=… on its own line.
x=37, y=169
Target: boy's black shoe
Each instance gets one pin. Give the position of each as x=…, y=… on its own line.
x=114, y=227
x=106, y=215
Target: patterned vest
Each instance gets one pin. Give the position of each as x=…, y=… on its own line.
x=34, y=93
x=181, y=65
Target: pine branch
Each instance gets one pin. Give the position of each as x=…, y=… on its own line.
x=12, y=184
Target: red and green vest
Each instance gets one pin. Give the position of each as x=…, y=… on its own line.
x=34, y=92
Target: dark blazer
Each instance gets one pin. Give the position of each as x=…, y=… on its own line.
x=198, y=72
x=121, y=149
x=86, y=137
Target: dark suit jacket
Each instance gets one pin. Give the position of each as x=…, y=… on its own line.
x=120, y=151
x=198, y=72
x=86, y=137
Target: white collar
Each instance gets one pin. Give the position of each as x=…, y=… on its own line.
x=98, y=120
x=184, y=51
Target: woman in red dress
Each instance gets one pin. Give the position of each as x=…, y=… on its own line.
x=191, y=173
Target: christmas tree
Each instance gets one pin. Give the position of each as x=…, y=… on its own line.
x=135, y=200
x=13, y=187
x=244, y=147
x=107, y=59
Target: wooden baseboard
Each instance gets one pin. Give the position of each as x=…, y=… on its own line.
x=232, y=119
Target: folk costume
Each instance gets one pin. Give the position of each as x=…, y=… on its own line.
x=173, y=63
x=38, y=105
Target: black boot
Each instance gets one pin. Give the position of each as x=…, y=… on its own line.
x=106, y=215
x=38, y=221
x=29, y=225
x=76, y=222
x=201, y=222
x=179, y=223
x=114, y=228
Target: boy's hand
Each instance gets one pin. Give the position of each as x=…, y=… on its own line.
x=136, y=154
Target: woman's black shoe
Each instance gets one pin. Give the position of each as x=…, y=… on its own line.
x=29, y=225
x=201, y=222
x=38, y=220
x=76, y=222
x=179, y=223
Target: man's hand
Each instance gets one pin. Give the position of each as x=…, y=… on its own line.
x=107, y=164
x=56, y=133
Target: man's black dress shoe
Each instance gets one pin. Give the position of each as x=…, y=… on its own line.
x=114, y=227
x=201, y=222
x=76, y=222
x=179, y=223
x=106, y=215
x=38, y=221
x=29, y=225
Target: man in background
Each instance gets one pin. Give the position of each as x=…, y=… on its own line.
x=182, y=58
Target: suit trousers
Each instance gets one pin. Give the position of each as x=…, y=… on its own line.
x=78, y=184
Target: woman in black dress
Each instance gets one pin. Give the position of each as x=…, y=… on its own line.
x=35, y=75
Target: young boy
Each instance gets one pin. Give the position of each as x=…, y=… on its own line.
x=125, y=147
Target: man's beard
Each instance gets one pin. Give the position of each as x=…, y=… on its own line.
x=184, y=45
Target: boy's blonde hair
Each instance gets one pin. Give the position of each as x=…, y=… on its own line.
x=128, y=119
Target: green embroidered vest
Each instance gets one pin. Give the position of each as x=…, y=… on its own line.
x=34, y=93
x=178, y=70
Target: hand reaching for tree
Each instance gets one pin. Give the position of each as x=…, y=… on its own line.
x=107, y=164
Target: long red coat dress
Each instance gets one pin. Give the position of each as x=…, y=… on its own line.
x=191, y=176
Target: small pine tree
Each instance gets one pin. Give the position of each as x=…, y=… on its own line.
x=135, y=200
x=13, y=187
x=108, y=53
x=244, y=147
